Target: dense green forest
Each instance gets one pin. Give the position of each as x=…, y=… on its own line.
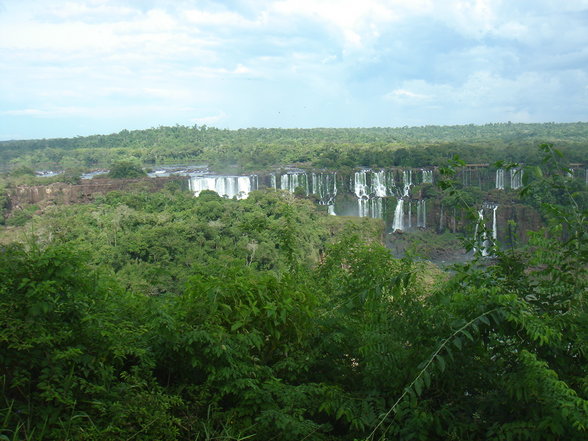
x=144, y=316
x=254, y=149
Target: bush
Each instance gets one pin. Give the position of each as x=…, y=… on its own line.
x=125, y=170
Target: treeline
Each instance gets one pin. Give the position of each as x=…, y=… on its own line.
x=161, y=316
x=254, y=149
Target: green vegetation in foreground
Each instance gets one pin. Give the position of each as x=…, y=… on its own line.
x=258, y=149
x=166, y=317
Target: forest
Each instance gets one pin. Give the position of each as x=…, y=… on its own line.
x=158, y=315
x=255, y=149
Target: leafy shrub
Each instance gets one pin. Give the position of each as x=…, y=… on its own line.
x=125, y=170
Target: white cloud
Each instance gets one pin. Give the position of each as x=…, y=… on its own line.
x=430, y=60
x=209, y=120
x=484, y=96
x=92, y=10
x=403, y=94
x=24, y=112
x=227, y=19
x=45, y=113
x=356, y=21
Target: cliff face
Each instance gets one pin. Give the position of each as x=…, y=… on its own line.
x=60, y=193
x=513, y=220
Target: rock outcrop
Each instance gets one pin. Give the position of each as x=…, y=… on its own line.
x=61, y=193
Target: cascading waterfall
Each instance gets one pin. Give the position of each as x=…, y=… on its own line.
x=369, y=193
x=481, y=243
x=409, y=215
x=500, y=179
x=398, y=223
x=494, y=227
x=407, y=182
x=379, y=184
x=516, y=178
x=225, y=186
x=360, y=187
x=324, y=185
x=254, y=182
x=421, y=214
x=370, y=208
x=289, y=181
x=427, y=176
x=304, y=183
x=376, y=208
x=273, y=181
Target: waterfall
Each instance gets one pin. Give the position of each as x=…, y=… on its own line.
x=363, y=207
x=369, y=197
x=500, y=179
x=225, y=186
x=481, y=243
x=376, y=208
x=360, y=187
x=494, y=227
x=324, y=185
x=516, y=178
x=331, y=210
x=407, y=182
x=273, y=181
x=289, y=181
x=421, y=214
x=304, y=183
x=254, y=182
x=379, y=184
x=409, y=214
x=398, y=224
x=427, y=176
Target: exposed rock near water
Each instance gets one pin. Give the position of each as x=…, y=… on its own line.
x=61, y=193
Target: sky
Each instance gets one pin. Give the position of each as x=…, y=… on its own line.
x=75, y=68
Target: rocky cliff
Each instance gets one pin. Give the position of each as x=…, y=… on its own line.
x=60, y=193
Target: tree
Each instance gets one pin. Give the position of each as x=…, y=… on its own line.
x=126, y=170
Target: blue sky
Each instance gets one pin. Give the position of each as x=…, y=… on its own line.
x=74, y=68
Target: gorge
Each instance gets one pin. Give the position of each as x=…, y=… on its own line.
x=406, y=199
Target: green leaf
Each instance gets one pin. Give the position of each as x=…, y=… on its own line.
x=236, y=326
x=441, y=362
x=418, y=386
x=485, y=320
x=427, y=379
x=467, y=334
